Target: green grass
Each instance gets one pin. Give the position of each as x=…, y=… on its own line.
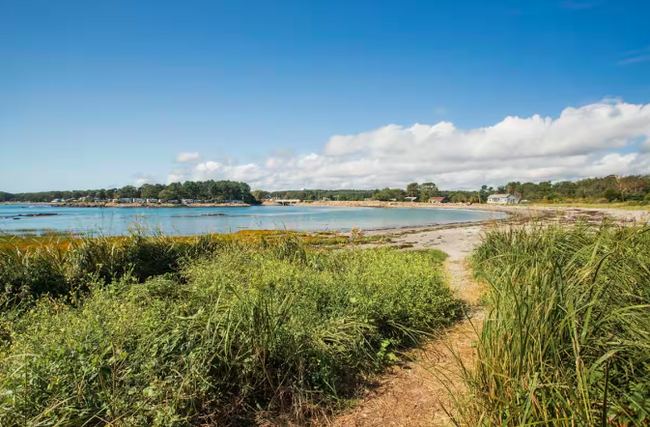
x=630, y=206
x=248, y=329
x=57, y=264
x=567, y=339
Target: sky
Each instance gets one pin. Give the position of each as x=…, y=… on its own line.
x=321, y=94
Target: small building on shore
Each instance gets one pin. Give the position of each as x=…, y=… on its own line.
x=443, y=199
x=411, y=198
x=502, y=199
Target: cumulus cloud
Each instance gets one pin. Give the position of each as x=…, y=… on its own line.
x=187, y=157
x=595, y=140
x=141, y=179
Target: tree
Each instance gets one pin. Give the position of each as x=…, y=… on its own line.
x=260, y=194
x=611, y=194
x=191, y=190
x=388, y=194
x=128, y=191
x=428, y=190
x=150, y=191
x=412, y=189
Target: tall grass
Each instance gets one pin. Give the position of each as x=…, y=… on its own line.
x=59, y=264
x=57, y=267
x=249, y=328
x=567, y=339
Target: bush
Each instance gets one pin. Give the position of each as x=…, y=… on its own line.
x=58, y=268
x=566, y=341
x=277, y=328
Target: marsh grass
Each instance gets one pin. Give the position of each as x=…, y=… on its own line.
x=58, y=264
x=231, y=331
x=567, y=338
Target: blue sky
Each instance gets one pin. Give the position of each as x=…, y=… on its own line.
x=106, y=93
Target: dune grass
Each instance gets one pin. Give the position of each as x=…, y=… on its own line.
x=567, y=339
x=207, y=333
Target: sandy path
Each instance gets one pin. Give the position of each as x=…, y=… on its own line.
x=415, y=393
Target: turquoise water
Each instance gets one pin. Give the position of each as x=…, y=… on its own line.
x=187, y=221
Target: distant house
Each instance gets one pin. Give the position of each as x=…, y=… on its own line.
x=187, y=201
x=443, y=199
x=125, y=200
x=502, y=199
x=137, y=200
x=410, y=198
x=153, y=201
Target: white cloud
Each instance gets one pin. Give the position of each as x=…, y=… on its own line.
x=187, y=157
x=141, y=179
x=175, y=177
x=581, y=142
x=635, y=56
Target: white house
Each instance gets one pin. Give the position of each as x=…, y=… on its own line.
x=502, y=199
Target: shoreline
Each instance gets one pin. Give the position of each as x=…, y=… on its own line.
x=129, y=205
x=514, y=214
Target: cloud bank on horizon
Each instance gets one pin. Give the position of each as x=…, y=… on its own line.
x=609, y=137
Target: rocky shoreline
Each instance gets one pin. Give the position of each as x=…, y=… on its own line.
x=132, y=205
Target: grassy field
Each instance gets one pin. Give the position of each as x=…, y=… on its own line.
x=151, y=330
x=630, y=206
x=567, y=339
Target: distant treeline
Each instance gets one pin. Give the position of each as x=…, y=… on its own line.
x=610, y=188
x=312, y=195
x=201, y=190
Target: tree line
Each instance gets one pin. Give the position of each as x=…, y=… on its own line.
x=631, y=188
x=216, y=191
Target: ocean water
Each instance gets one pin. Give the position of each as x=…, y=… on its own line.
x=187, y=221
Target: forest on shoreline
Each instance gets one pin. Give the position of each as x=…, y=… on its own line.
x=612, y=188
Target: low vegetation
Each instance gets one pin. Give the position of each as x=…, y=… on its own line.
x=158, y=331
x=58, y=263
x=567, y=339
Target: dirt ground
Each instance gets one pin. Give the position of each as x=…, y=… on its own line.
x=417, y=393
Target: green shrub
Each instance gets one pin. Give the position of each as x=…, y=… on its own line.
x=57, y=269
x=567, y=341
x=275, y=328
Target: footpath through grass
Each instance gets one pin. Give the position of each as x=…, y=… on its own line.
x=567, y=339
x=159, y=332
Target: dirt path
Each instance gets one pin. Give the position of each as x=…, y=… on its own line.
x=415, y=393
